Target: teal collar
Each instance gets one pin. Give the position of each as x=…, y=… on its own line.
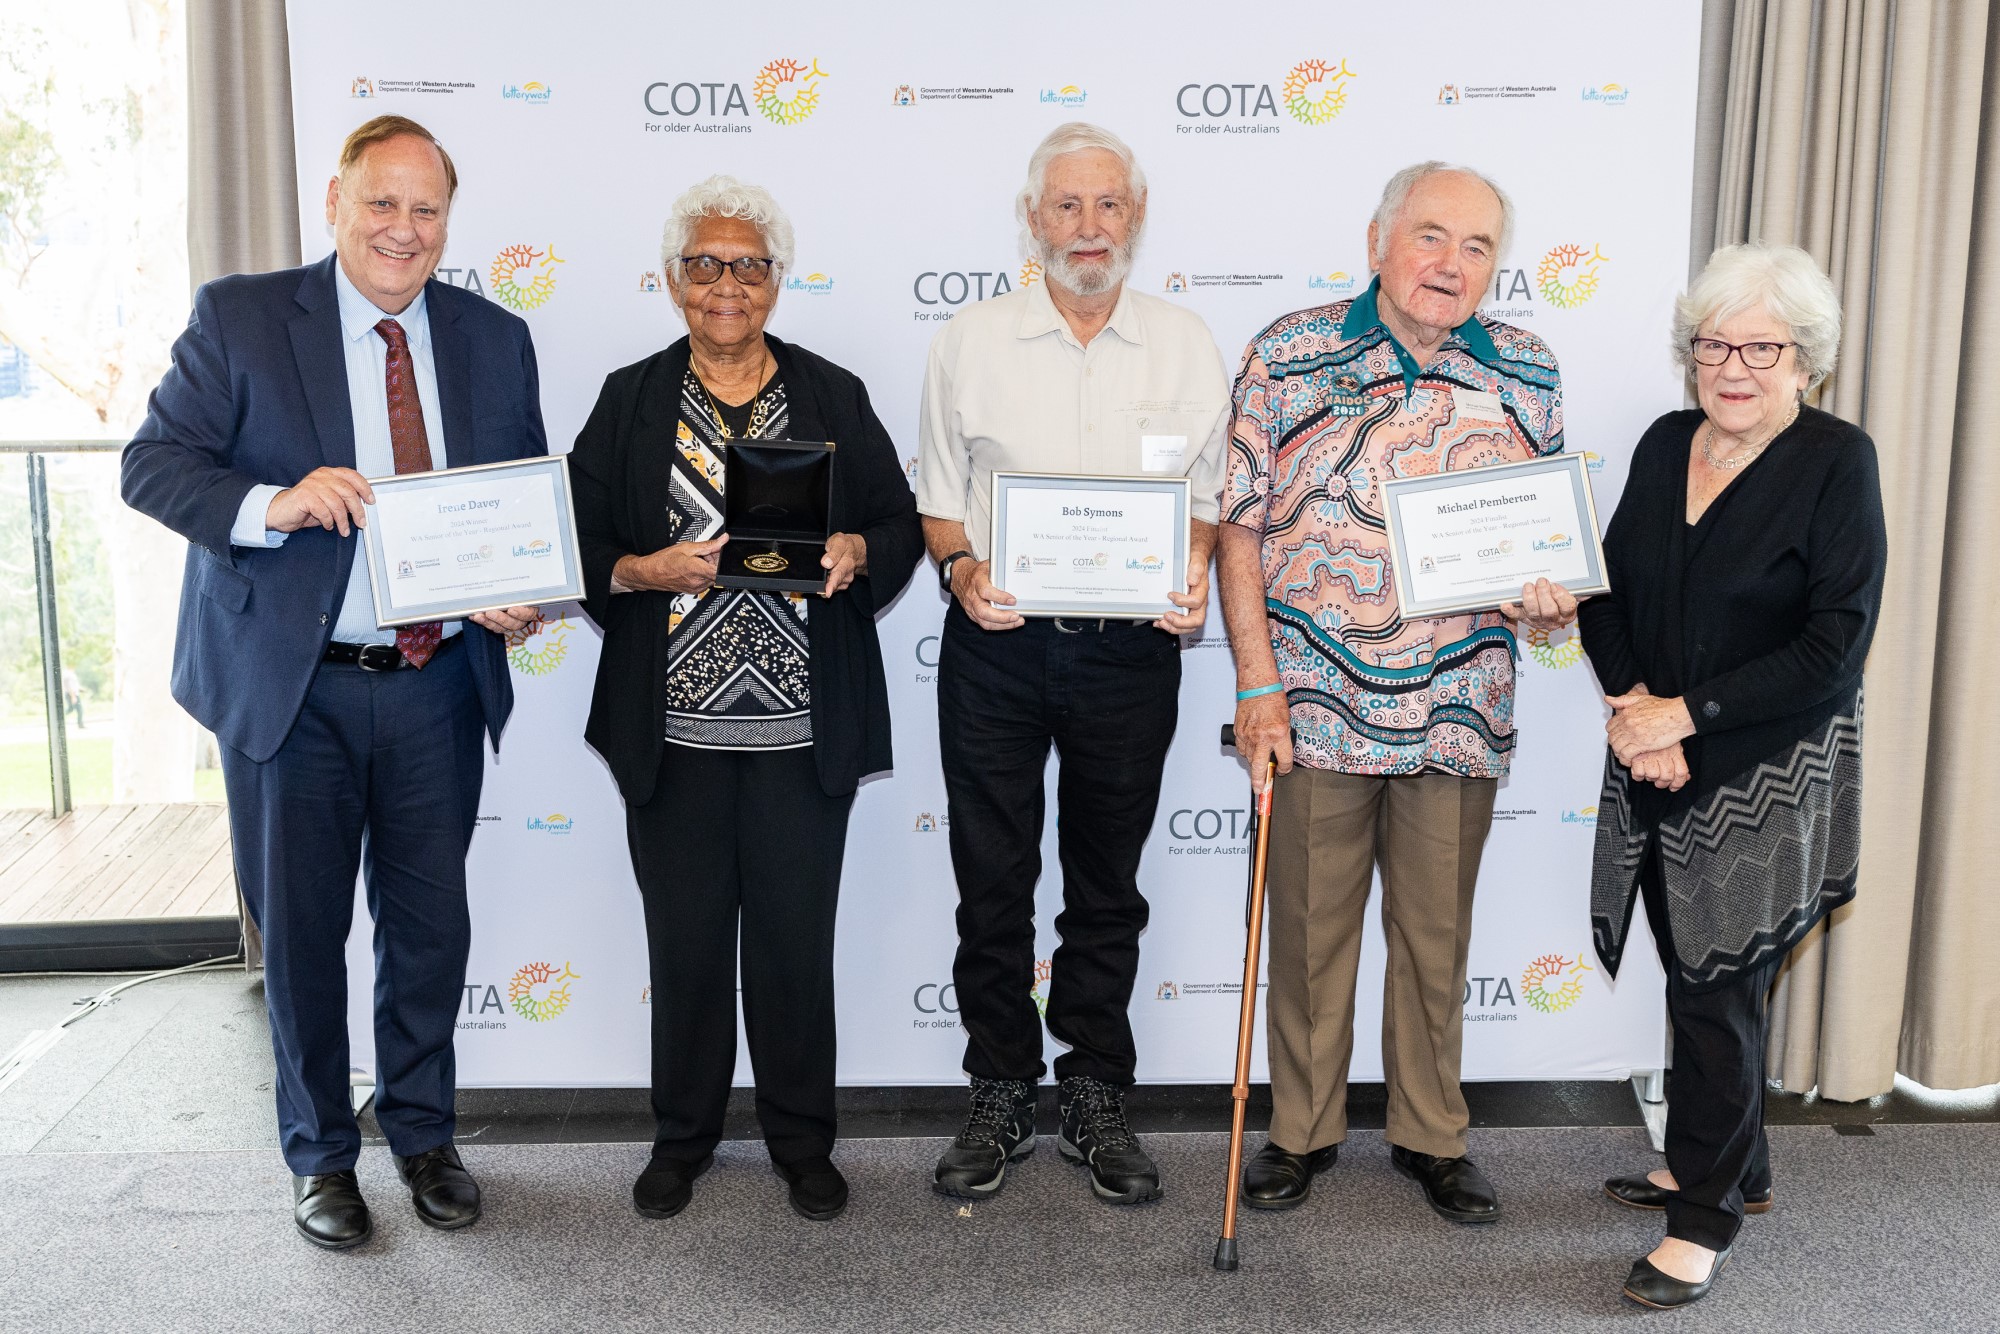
x=1363, y=315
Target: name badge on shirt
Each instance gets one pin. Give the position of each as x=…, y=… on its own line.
x=1477, y=404
x=1163, y=453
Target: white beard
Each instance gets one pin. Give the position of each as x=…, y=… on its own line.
x=1088, y=279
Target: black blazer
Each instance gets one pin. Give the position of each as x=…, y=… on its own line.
x=621, y=509
x=1759, y=616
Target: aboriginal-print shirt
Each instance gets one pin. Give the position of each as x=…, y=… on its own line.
x=736, y=657
x=1329, y=405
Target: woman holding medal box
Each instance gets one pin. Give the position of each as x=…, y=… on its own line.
x=736, y=721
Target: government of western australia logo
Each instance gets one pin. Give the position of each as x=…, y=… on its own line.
x=1554, y=649
x=523, y=277
x=787, y=92
x=539, y=992
x=1568, y=275
x=1553, y=983
x=1316, y=91
x=541, y=648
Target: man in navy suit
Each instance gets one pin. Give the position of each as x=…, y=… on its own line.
x=344, y=746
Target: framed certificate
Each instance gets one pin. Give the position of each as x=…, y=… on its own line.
x=442, y=545
x=1467, y=541
x=1069, y=545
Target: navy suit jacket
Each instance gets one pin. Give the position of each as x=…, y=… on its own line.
x=258, y=393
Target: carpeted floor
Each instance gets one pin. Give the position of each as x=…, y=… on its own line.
x=1888, y=1231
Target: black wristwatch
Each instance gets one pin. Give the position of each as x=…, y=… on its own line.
x=944, y=568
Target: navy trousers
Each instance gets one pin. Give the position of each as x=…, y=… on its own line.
x=381, y=773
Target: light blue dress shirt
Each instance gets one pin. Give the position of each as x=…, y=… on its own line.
x=374, y=453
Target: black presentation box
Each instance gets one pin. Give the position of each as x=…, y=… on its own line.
x=777, y=497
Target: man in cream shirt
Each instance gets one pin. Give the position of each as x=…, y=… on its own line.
x=1073, y=374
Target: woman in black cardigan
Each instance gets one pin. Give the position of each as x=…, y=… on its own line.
x=737, y=722
x=1746, y=561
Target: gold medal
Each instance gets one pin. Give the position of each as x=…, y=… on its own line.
x=766, y=562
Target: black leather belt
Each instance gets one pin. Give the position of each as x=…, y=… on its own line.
x=1073, y=625
x=379, y=657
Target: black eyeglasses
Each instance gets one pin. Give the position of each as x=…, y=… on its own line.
x=705, y=269
x=1715, y=352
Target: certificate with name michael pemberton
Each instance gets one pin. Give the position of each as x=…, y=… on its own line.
x=1468, y=541
x=1090, y=547
x=443, y=545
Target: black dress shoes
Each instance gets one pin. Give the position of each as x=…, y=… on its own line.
x=1279, y=1179
x=1455, y=1187
x=1663, y=1292
x=819, y=1191
x=444, y=1193
x=1640, y=1193
x=666, y=1186
x=329, y=1210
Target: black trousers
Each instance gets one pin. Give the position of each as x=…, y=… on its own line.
x=740, y=852
x=1715, y=1111
x=1107, y=699
x=380, y=774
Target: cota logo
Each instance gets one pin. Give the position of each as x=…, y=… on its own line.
x=787, y=92
x=538, y=992
x=523, y=277
x=1554, y=649
x=1568, y=275
x=1039, y=991
x=1316, y=91
x=541, y=648
x=1553, y=983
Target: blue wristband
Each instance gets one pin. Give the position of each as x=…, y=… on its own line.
x=1270, y=689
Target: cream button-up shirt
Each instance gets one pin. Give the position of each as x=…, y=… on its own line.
x=1010, y=389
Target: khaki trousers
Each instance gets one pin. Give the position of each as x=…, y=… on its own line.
x=1328, y=833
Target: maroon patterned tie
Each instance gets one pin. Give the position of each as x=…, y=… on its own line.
x=413, y=454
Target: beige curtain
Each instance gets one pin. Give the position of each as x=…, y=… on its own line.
x=243, y=203
x=243, y=209
x=1868, y=132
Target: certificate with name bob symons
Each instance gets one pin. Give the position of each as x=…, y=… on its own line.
x=443, y=545
x=1468, y=541
x=1090, y=547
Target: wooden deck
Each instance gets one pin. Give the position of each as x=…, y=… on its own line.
x=108, y=862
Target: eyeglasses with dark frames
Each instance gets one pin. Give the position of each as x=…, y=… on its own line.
x=1757, y=356
x=705, y=269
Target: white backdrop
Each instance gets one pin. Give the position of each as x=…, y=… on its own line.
x=897, y=148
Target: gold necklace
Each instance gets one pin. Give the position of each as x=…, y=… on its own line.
x=1736, y=461
x=760, y=411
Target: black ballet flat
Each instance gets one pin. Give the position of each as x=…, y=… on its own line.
x=1648, y=1286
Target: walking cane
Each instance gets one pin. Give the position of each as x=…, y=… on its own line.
x=1260, y=835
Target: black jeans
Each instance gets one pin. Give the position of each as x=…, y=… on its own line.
x=1108, y=700
x=1715, y=1111
x=749, y=836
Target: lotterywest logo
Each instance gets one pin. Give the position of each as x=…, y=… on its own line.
x=531, y=93
x=811, y=282
x=538, y=992
x=1339, y=283
x=1568, y=274
x=557, y=823
x=541, y=648
x=1069, y=95
x=1312, y=92
x=1609, y=94
x=1208, y=831
x=1586, y=816
x=523, y=277
x=784, y=91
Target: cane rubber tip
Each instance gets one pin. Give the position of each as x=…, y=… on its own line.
x=1225, y=1255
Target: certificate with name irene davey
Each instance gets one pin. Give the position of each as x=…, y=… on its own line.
x=443, y=545
x=1089, y=547
x=1468, y=541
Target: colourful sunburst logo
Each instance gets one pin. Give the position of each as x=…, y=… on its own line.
x=1554, y=649
x=1552, y=983
x=539, y=993
x=1031, y=272
x=787, y=92
x=524, y=277
x=1044, y=970
x=1316, y=92
x=1567, y=276
x=539, y=649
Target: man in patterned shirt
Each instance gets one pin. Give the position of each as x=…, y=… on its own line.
x=1388, y=733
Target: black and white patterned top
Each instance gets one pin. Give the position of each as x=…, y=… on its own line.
x=736, y=657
